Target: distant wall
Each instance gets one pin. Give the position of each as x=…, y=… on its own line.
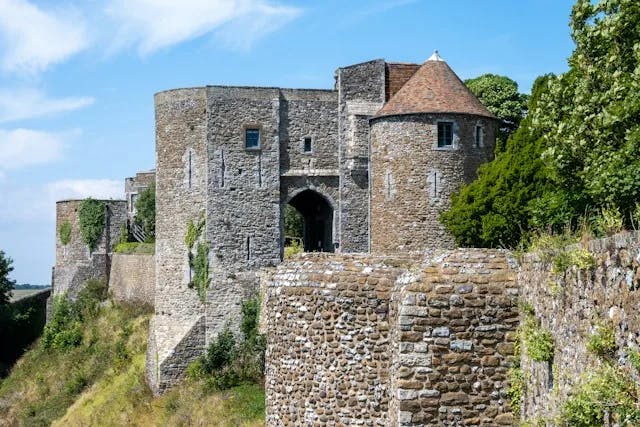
x=391, y=341
x=132, y=278
x=569, y=304
x=75, y=264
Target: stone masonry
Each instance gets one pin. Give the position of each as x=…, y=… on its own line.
x=407, y=341
x=75, y=264
x=234, y=157
x=570, y=304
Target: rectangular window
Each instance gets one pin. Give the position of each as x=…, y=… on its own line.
x=445, y=134
x=307, y=145
x=479, y=136
x=252, y=138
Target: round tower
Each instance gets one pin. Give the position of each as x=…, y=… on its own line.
x=426, y=141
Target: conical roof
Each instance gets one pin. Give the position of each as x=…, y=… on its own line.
x=434, y=88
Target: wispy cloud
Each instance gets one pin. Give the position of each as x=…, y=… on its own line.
x=155, y=24
x=37, y=204
x=26, y=147
x=32, y=39
x=20, y=104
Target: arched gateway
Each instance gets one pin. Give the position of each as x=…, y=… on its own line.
x=317, y=214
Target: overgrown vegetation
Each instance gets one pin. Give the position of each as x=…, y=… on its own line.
x=538, y=341
x=517, y=383
x=135, y=248
x=293, y=248
x=602, y=342
x=198, y=252
x=229, y=363
x=100, y=381
x=575, y=155
x=91, y=218
x=64, y=232
x=146, y=212
x=500, y=95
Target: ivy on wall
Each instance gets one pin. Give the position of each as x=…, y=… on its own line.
x=64, y=231
x=91, y=216
x=198, y=257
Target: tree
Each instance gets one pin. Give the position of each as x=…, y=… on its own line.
x=146, y=211
x=500, y=95
x=293, y=222
x=498, y=208
x=6, y=284
x=592, y=111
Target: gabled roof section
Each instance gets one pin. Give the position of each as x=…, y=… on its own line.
x=434, y=88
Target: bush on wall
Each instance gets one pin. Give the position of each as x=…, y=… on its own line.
x=65, y=233
x=91, y=217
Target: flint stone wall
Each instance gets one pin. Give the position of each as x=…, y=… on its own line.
x=75, y=264
x=366, y=340
x=570, y=304
x=132, y=279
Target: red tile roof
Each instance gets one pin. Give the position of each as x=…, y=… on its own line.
x=434, y=88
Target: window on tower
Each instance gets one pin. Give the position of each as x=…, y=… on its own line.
x=445, y=134
x=252, y=138
x=479, y=136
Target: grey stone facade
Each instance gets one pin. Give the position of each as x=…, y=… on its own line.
x=75, y=264
x=135, y=185
x=236, y=156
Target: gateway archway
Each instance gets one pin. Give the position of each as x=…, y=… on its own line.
x=317, y=214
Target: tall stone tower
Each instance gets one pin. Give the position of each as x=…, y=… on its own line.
x=427, y=140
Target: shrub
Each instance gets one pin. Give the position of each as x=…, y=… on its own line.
x=65, y=233
x=538, y=342
x=516, y=389
x=610, y=221
x=146, y=212
x=293, y=249
x=221, y=351
x=200, y=265
x=602, y=342
x=135, y=248
x=91, y=217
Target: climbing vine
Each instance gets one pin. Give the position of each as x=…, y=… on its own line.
x=65, y=233
x=198, y=257
x=91, y=216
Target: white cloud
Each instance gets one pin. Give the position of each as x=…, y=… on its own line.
x=27, y=147
x=83, y=188
x=19, y=104
x=32, y=39
x=156, y=24
x=38, y=204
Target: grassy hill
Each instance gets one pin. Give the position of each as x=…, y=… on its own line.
x=95, y=376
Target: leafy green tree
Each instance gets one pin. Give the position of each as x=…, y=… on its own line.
x=592, y=111
x=293, y=222
x=146, y=211
x=496, y=209
x=500, y=95
x=91, y=216
x=6, y=284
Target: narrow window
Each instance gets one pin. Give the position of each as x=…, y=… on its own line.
x=222, y=168
x=307, y=145
x=435, y=184
x=252, y=138
x=445, y=134
x=259, y=170
x=190, y=165
x=248, y=248
x=479, y=136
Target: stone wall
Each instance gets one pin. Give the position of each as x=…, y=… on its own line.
x=361, y=93
x=570, y=304
x=366, y=340
x=75, y=264
x=132, y=279
x=412, y=178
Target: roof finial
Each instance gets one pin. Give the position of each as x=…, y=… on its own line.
x=435, y=57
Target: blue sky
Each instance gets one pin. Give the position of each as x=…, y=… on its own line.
x=77, y=78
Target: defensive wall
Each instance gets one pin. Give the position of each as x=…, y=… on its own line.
x=571, y=303
x=374, y=340
x=132, y=278
x=75, y=263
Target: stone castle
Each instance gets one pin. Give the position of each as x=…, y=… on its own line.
x=387, y=324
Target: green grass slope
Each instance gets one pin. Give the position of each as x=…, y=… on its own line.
x=100, y=382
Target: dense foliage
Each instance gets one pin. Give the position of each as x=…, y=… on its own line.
x=91, y=217
x=500, y=95
x=6, y=284
x=501, y=206
x=146, y=212
x=229, y=362
x=575, y=158
x=198, y=252
x=64, y=232
x=293, y=222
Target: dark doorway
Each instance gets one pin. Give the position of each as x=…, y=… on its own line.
x=317, y=214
